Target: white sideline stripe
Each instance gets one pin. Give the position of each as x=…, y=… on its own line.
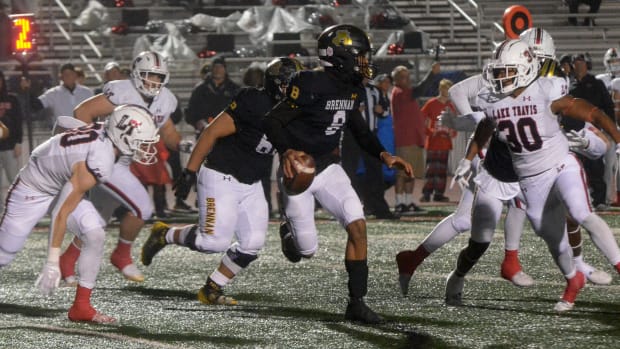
x=119, y=337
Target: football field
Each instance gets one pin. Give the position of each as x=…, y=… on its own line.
x=285, y=305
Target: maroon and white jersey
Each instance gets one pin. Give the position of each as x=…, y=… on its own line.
x=527, y=124
x=51, y=163
x=123, y=92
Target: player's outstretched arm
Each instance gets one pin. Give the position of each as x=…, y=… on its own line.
x=581, y=109
x=392, y=161
x=92, y=108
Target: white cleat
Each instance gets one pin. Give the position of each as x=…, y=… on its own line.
x=598, y=277
x=69, y=281
x=454, y=289
x=563, y=306
x=521, y=279
x=132, y=273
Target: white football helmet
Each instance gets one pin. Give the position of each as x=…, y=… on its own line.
x=133, y=131
x=512, y=66
x=540, y=42
x=145, y=64
x=611, y=60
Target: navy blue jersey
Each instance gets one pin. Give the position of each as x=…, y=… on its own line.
x=246, y=154
x=323, y=102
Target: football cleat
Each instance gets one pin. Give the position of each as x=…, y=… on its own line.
x=288, y=243
x=155, y=242
x=211, y=293
x=69, y=281
x=563, y=306
x=573, y=286
x=454, y=289
x=595, y=276
x=125, y=265
x=88, y=314
x=520, y=279
x=357, y=310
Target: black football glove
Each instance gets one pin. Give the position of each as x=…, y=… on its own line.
x=184, y=184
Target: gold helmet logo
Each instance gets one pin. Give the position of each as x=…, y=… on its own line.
x=343, y=38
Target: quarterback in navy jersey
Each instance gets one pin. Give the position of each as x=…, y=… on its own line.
x=310, y=121
x=231, y=200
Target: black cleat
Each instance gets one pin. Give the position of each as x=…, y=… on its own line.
x=357, y=310
x=155, y=242
x=288, y=244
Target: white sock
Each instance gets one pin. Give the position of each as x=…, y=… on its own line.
x=408, y=199
x=219, y=278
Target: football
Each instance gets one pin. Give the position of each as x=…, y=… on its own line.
x=303, y=176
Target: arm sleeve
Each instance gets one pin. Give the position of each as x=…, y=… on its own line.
x=364, y=137
x=463, y=92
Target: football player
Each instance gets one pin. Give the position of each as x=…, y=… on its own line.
x=318, y=105
x=228, y=162
x=62, y=170
x=611, y=61
x=460, y=221
x=146, y=87
x=547, y=171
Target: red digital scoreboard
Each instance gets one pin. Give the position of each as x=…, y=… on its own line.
x=23, y=41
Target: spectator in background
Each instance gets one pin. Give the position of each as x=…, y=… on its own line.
x=210, y=96
x=438, y=144
x=62, y=99
x=369, y=185
x=409, y=135
x=11, y=146
x=594, y=91
x=573, y=7
x=111, y=71
x=385, y=125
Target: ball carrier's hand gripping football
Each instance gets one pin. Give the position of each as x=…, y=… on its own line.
x=298, y=170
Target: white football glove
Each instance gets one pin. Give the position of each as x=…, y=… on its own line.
x=577, y=140
x=49, y=278
x=186, y=146
x=462, y=174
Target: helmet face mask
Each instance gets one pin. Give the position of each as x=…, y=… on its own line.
x=611, y=60
x=512, y=66
x=278, y=75
x=133, y=132
x=149, y=73
x=345, y=50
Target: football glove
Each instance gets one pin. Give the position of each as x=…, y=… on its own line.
x=49, y=278
x=184, y=184
x=462, y=174
x=577, y=140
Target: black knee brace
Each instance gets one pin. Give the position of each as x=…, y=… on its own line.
x=190, y=239
x=240, y=259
